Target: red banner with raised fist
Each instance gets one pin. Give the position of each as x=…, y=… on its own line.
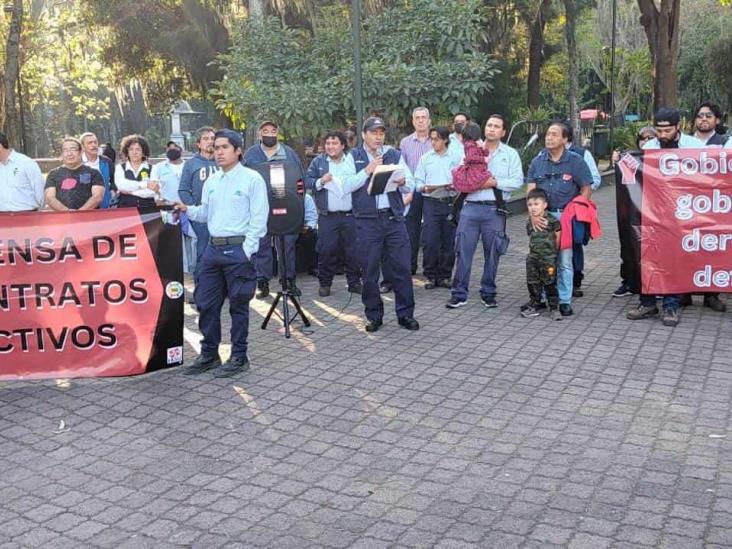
x=85, y=294
x=686, y=221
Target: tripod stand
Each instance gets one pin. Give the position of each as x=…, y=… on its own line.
x=284, y=294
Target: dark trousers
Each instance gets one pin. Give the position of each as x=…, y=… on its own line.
x=438, y=239
x=225, y=272
x=264, y=258
x=414, y=228
x=132, y=201
x=541, y=277
x=578, y=264
x=484, y=222
x=336, y=239
x=388, y=236
x=201, y=230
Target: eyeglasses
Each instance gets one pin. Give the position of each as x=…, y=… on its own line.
x=705, y=115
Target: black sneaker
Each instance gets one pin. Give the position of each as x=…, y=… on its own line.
x=444, y=283
x=202, y=364
x=263, y=287
x=577, y=292
x=232, y=367
x=324, y=291
x=409, y=323
x=355, y=289
x=454, y=303
x=565, y=309
x=373, y=325
x=489, y=301
x=622, y=291
x=528, y=310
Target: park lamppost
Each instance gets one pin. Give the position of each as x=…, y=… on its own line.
x=357, y=83
x=612, y=73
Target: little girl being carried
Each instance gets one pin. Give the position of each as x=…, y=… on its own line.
x=472, y=174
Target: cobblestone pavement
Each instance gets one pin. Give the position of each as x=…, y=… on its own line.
x=482, y=429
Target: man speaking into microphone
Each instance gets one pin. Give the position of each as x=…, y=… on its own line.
x=381, y=229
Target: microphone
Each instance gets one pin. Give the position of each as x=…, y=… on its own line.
x=531, y=141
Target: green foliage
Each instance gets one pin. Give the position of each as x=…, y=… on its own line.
x=415, y=53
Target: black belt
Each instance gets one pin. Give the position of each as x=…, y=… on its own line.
x=446, y=200
x=349, y=212
x=226, y=240
x=384, y=211
x=482, y=202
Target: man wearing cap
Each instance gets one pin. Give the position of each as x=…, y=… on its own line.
x=270, y=149
x=235, y=207
x=381, y=230
x=667, y=123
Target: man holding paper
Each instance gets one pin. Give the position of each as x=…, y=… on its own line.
x=381, y=228
x=336, y=225
x=433, y=179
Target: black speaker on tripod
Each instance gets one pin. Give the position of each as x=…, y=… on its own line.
x=286, y=217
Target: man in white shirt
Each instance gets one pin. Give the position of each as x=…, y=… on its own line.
x=21, y=180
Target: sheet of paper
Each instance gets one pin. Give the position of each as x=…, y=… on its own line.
x=334, y=186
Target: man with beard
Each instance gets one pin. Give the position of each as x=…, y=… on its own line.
x=707, y=122
x=667, y=123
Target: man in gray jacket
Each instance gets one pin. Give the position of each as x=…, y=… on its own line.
x=196, y=171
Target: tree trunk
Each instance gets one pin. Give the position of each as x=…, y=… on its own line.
x=536, y=52
x=11, y=125
x=662, y=28
x=570, y=33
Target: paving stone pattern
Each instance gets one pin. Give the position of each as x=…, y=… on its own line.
x=483, y=429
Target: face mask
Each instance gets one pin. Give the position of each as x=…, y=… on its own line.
x=459, y=127
x=269, y=140
x=173, y=154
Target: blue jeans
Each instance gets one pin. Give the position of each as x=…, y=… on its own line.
x=565, y=271
x=477, y=220
x=670, y=301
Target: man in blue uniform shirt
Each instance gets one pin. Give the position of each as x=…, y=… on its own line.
x=234, y=204
x=433, y=178
x=336, y=225
x=269, y=149
x=563, y=175
x=381, y=229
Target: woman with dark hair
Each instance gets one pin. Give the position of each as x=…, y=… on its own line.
x=132, y=177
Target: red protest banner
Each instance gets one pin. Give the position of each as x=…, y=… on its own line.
x=686, y=229
x=81, y=294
